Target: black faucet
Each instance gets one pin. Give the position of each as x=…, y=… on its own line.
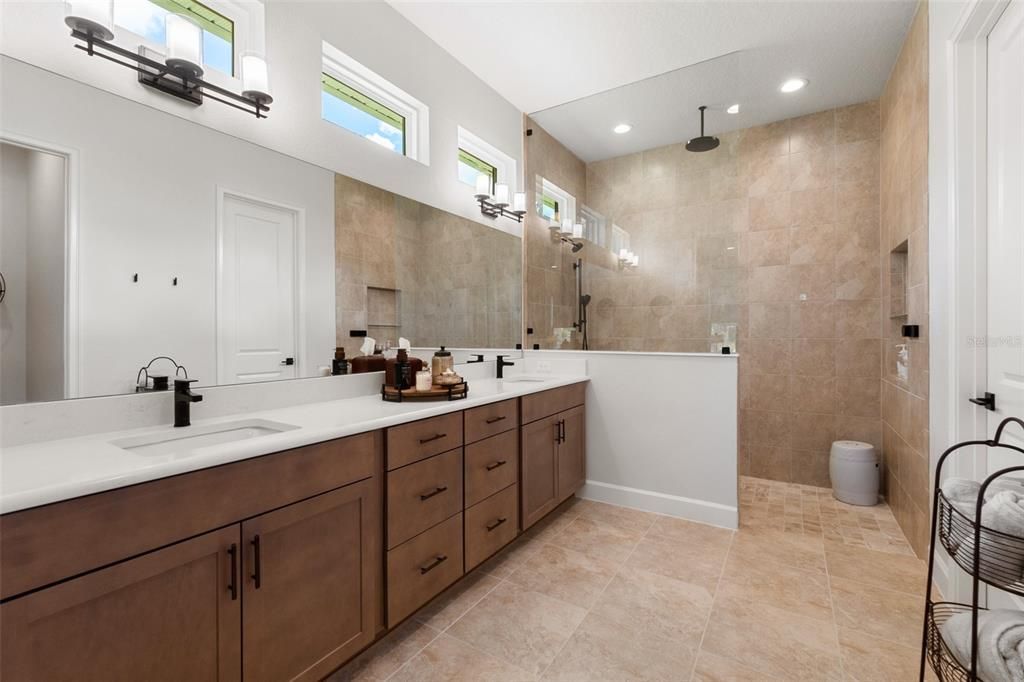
x=478, y=357
x=502, y=364
x=183, y=399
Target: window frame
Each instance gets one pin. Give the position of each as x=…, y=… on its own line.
x=480, y=166
x=505, y=166
x=345, y=69
x=249, y=20
x=368, y=105
x=546, y=188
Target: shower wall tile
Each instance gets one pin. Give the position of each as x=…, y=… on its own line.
x=903, y=201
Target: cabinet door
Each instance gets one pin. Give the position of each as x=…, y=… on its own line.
x=539, y=482
x=310, y=584
x=572, y=459
x=172, y=614
x=311, y=588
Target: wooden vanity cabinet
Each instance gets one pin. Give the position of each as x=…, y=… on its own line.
x=553, y=450
x=172, y=614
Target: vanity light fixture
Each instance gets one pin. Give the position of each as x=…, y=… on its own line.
x=733, y=109
x=498, y=204
x=178, y=73
x=628, y=259
x=793, y=84
x=622, y=129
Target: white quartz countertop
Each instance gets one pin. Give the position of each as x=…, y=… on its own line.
x=51, y=471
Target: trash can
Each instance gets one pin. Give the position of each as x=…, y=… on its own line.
x=853, y=467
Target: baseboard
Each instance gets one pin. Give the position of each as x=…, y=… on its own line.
x=662, y=503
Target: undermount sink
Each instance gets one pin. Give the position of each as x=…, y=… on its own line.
x=524, y=377
x=195, y=437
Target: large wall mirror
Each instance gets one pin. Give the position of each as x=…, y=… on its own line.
x=128, y=233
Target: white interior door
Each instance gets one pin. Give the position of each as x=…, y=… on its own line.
x=257, y=305
x=1005, y=281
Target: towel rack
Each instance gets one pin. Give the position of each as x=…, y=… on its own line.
x=987, y=555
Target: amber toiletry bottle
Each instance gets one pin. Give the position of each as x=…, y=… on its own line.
x=339, y=365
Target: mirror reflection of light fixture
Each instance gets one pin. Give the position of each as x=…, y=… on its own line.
x=566, y=229
x=577, y=231
x=178, y=73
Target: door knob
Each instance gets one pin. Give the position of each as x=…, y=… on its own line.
x=988, y=401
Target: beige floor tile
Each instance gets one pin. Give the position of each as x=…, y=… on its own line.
x=879, y=569
x=700, y=565
x=602, y=651
x=793, y=549
x=638, y=600
x=512, y=557
x=804, y=593
x=449, y=660
x=565, y=574
x=893, y=616
x=871, y=659
x=382, y=659
x=713, y=668
x=598, y=539
x=620, y=517
x=519, y=626
x=773, y=642
x=455, y=602
x=551, y=525
x=697, y=536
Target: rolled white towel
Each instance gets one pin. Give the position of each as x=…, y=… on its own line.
x=962, y=493
x=1005, y=513
x=1004, y=483
x=1000, y=643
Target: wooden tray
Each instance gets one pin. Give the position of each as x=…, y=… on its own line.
x=454, y=392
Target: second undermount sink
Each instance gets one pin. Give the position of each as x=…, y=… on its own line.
x=187, y=439
x=525, y=377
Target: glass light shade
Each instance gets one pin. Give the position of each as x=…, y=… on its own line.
x=483, y=186
x=577, y=231
x=623, y=254
x=255, y=79
x=519, y=202
x=635, y=260
x=566, y=228
x=501, y=195
x=184, y=44
x=90, y=16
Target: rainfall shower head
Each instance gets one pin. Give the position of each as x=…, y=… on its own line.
x=704, y=143
x=576, y=246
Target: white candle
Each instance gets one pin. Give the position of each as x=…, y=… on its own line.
x=501, y=195
x=519, y=202
x=255, y=79
x=184, y=44
x=483, y=186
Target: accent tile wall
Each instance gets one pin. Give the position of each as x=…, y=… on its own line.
x=776, y=233
x=904, y=213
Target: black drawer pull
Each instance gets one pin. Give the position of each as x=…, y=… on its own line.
x=256, y=579
x=438, y=560
x=494, y=465
x=495, y=420
x=436, y=436
x=436, y=491
x=233, y=583
x=492, y=526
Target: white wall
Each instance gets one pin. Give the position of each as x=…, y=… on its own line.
x=147, y=205
x=661, y=431
x=371, y=32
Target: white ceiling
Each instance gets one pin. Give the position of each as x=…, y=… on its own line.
x=540, y=55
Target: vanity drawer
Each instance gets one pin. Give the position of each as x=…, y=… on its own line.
x=491, y=524
x=423, y=494
x=489, y=420
x=410, y=443
x=547, y=403
x=491, y=465
x=422, y=567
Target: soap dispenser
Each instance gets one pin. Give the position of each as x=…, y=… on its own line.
x=339, y=365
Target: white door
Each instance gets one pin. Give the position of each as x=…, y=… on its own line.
x=1005, y=314
x=256, y=279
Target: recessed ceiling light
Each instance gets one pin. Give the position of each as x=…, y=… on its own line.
x=734, y=109
x=793, y=84
x=622, y=128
